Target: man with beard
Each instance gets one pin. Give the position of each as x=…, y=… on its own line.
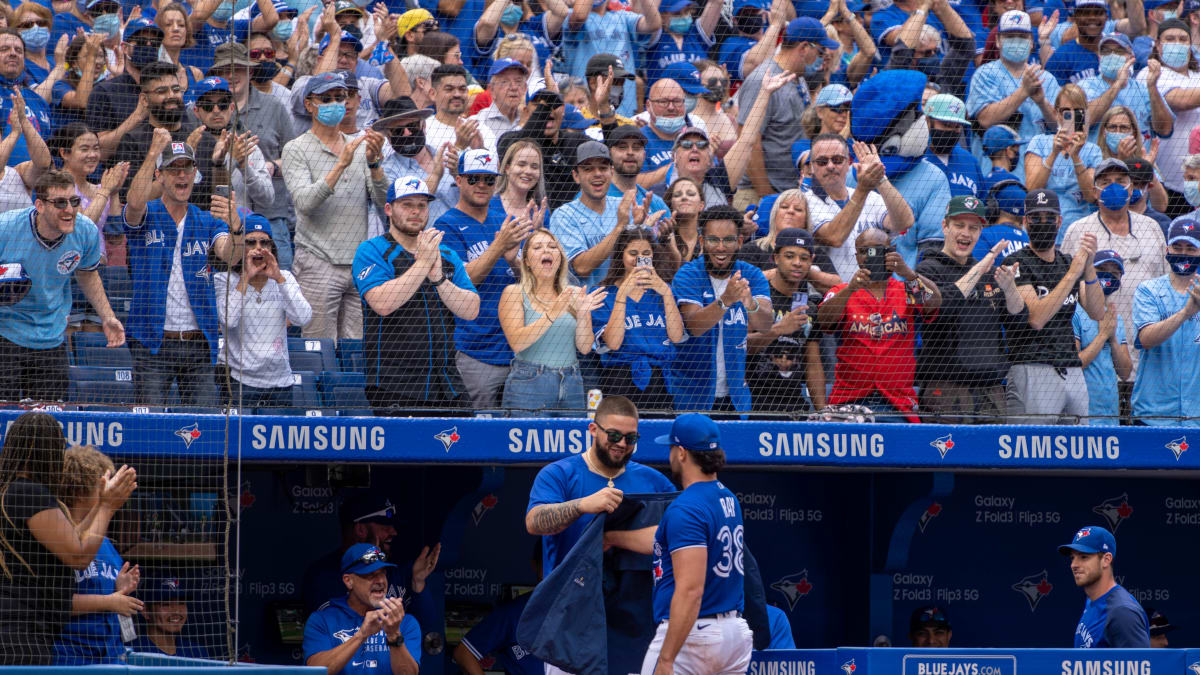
x=588, y=227
x=1112, y=618
x=1077, y=59
x=115, y=105
x=558, y=145
x=567, y=494
x=403, y=123
x=366, y=632
x=162, y=97
x=721, y=299
x=627, y=146
x=217, y=142
x=448, y=125
x=946, y=116
x=412, y=291
x=1045, y=383
x=166, y=615
x=486, y=239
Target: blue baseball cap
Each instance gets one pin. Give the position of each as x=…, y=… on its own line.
x=254, y=222
x=209, y=85
x=1109, y=255
x=808, y=29
x=998, y=138
x=573, y=119
x=1187, y=7
x=1184, y=229
x=138, y=25
x=1085, y=4
x=1119, y=39
x=363, y=559
x=319, y=84
x=1091, y=539
x=674, y=6
x=347, y=37
x=501, y=65
x=477, y=161
x=833, y=95
x=686, y=76
x=812, y=8
x=694, y=432
x=407, y=186
x=1011, y=199
x=167, y=589
x=739, y=5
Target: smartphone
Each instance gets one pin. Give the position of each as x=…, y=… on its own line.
x=876, y=263
x=1080, y=120
x=799, y=300
x=221, y=191
x=645, y=261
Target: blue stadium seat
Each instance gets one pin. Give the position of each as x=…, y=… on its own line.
x=135, y=409
x=350, y=355
x=297, y=412
x=304, y=390
x=81, y=339
x=112, y=386
x=310, y=348
x=344, y=391
x=104, y=357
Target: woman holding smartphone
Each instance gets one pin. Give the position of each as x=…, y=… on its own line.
x=638, y=324
x=1065, y=162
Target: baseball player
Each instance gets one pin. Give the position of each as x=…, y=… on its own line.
x=929, y=627
x=1111, y=617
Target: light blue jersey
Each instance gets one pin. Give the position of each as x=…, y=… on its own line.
x=1166, y=385
x=1134, y=96
x=1062, y=180
x=1100, y=374
x=579, y=228
x=609, y=33
x=927, y=191
x=992, y=83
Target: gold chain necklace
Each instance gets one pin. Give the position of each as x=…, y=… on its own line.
x=592, y=467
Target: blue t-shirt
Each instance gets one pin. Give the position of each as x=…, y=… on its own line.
x=962, y=172
x=614, y=32
x=335, y=623
x=35, y=109
x=497, y=634
x=570, y=478
x=991, y=235
x=732, y=55
x=579, y=228
x=39, y=320
x=927, y=191
x=481, y=339
x=184, y=647
x=890, y=18
x=1114, y=620
x=96, y=637
x=1167, y=374
x=705, y=515
x=1073, y=62
x=645, y=344
x=480, y=55
x=207, y=38
x=665, y=52
x=995, y=175
x=1100, y=374
x=781, y=629
x=1062, y=180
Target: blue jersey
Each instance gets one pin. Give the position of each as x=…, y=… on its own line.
x=1114, y=620
x=95, y=637
x=995, y=175
x=1100, y=374
x=705, y=515
x=569, y=479
x=732, y=55
x=335, y=623
x=184, y=647
x=579, y=228
x=656, y=202
x=39, y=320
x=1134, y=96
x=962, y=172
x=1167, y=374
x=992, y=83
x=481, y=339
x=927, y=191
x=534, y=28
x=614, y=32
x=694, y=371
x=1072, y=62
x=992, y=235
x=645, y=344
x=781, y=629
x=36, y=111
x=151, y=251
x=1062, y=180
x=659, y=151
x=496, y=634
x=890, y=18
x=665, y=52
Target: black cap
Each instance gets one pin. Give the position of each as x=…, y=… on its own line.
x=399, y=110
x=931, y=615
x=623, y=132
x=794, y=236
x=592, y=150
x=1140, y=171
x=1159, y=624
x=598, y=65
x=1174, y=23
x=1041, y=200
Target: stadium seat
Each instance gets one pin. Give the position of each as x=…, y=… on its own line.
x=297, y=412
x=315, y=354
x=349, y=355
x=112, y=386
x=304, y=390
x=104, y=357
x=85, y=339
x=135, y=409
x=344, y=391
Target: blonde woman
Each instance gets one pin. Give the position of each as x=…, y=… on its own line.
x=1065, y=162
x=789, y=210
x=1120, y=136
x=521, y=183
x=547, y=324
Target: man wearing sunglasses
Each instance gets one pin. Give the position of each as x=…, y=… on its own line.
x=559, y=145
x=50, y=241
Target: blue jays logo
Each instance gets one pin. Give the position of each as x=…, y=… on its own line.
x=204, y=273
x=448, y=437
x=1085, y=532
x=931, y=512
x=345, y=634
x=1178, y=446
x=1195, y=668
x=1013, y=21
x=1114, y=510
x=943, y=444
x=413, y=184
x=362, y=276
x=154, y=237
x=481, y=161
x=68, y=262
x=793, y=587
x=188, y=434
x=486, y=504
x=848, y=667
x=1033, y=588
x=171, y=584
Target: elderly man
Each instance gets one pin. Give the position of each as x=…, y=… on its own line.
x=665, y=106
x=506, y=84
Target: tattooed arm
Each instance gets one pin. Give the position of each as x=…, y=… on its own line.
x=550, y=519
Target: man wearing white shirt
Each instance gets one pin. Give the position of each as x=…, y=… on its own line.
x=838, y=215
x=506, y=83
x=449, y=103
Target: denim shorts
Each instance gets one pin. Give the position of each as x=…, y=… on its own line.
x=540, y=391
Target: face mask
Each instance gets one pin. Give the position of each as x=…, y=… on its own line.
x=331, y=114
x=1109, y=282
x=283, y=30
x=1113, y=140
x=36, y=38
x=223, y=12
x=596, y=4
x=1110, y=65
x=616, y=95
x=1191, y=192
x=109, y=24
x=1015, y=51
x=264, y=72
x=1114, y=197
x=680, y=24
x=714, y=95
x=1136, y=196
x=813, y=69
x=1168, y=15
x=1013, y=159
x=669, y=125
x=1183, y=265
x=749, y=24
x=1176, y=55
x=929, y=65
x=689, y=103
x=511, y=15
x=941, y=141
x=143, y=55
x=1041, y=235
x=408, y=146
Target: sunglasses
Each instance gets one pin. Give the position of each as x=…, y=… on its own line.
x=209, y=106
x=717, y=82
x=836, y=160
x=265, y=54
x=688, y=145
x=615, y=436
x=64, y=202
x=427, y=26
x=258, y=243
x=487, y=179
x=145, y=41
x=388, y=511
x=405, y=130
x=841, y=109
x=1043, y=221
x=30, y=23
x=373, y=556
x=330, y=98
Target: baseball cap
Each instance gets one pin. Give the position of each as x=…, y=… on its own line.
x=1184, y=229
x=175, y=152
x=1091, y=539
x=694, y=432
x=1118, y=39
x=138, y=25
x=623, y=132
x=573, y=119
x=166, y=589
x=14, y=283
x=501, y=65
x=930, y=615
x=347, y=38
x=966, y=205
x=363, y=558
x=946, y=108
x=231, y=54
x=346, y=6
x=739, y=5
x=411, y=19
x=598, y=65
x=1015, y=21
x=793, y=236
x=1187, y=7
x=478, y=160
x=685, y=75
x=673, y=6
x=1110, y=164
x=280, y=6
x=691, y=131
x=209, y=85
x=253, y=222
x=833, y=95
x=591, y=150
x=998, y=138
x=1173, y=23
x=319, y=84
x=1140, y=171
x=1011, y=199
x=808, y=29
x=404, y=186
x=1041, y=201
x=1108, y=255
x=399, y=110
x=1084, y=4
x=1159, y=624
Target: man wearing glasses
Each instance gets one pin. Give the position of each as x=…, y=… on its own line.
x=162, y=98
x=41, y=247
x=366, y=632
x=214, y=109
x=403, y=124
x=692, y=157
x=115, y=105
x=411, y=28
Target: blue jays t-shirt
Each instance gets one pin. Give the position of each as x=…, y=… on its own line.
x=994, y=234
x=705, y=515
x=94, y=637
x=569, y=479
x=732, y=55
x=335, y=623
x=39, y=320
x=35, y=109
x=1100, y=374
x=781, y=629
x=665, y=52
x=1114, y=620
x=497, y=634
x=645, y=345
x=962, y=171
x=481, y=339
x=1167, y=374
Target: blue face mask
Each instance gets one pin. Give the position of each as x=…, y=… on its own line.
x=1191, y=192
x=598, y=3
x=669, y=125
x=1113, y=139
x=331, y=114
x=1168, y=15
x=680, y=25
x=284, y=29
x=143, y=55
x=813, y=69
x=1015, y=51
x=1109, y=282
x=36, y=38
x=511, y=15
x=1114, y=197
x=1175, y=55
x=1136, y=196
x=1110, y=66
x=223, y=12
x=689, y=103
x=109, y=24
x=1182, y=264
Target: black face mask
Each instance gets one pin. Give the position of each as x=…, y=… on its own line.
x=929, y=65
x=410, y=145
x=941, y=141
x=168, y=116
x=1041, y=234
x=1013, y=159
x=143, y=55
x=749, y=24
x=264, y=72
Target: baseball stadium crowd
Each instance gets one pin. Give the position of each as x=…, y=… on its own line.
x=918, y=210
